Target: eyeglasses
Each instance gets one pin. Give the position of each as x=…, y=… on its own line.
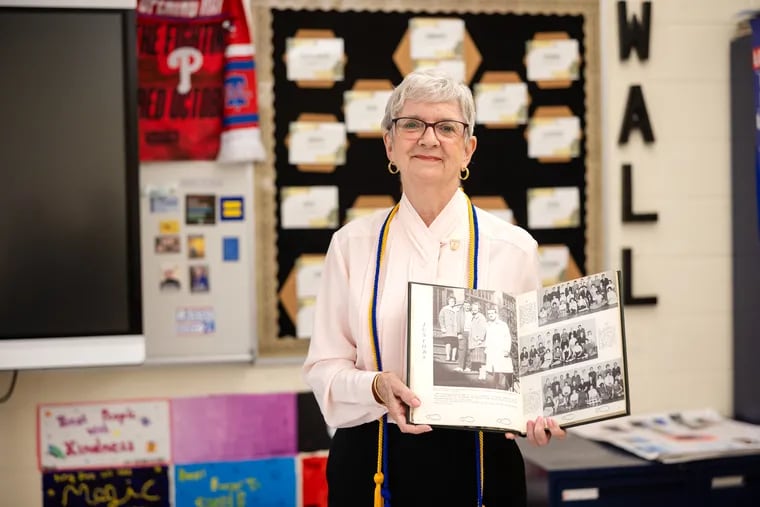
x=444, y=129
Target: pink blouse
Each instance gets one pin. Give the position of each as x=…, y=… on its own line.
x=340, y=364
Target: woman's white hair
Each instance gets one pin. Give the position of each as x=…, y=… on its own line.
x=430, y=86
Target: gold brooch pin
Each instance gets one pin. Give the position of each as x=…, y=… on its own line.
x=454, y=244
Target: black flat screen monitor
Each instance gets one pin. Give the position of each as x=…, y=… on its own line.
x=70, y=291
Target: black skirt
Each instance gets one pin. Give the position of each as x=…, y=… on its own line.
x=436, y=468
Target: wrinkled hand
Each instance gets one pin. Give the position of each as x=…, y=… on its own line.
x=541, y=431
x=397, y=396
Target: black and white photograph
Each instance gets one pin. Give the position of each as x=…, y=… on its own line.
x=574, y=298
x=587, y=386
x=474, y=339
x=558, y=346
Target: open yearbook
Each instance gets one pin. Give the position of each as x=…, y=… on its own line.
x=485, y=359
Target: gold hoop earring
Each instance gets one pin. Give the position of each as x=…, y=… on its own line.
x=391, y=166
x=464, y=173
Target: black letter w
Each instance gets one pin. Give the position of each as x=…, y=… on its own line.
x=634, y=34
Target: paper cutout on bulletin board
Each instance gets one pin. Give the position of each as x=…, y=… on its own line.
x=266, y=482
x=146, y=487
x=103, y=434
x=402, y=56
x=335, y=158
x=554, y=207
x=289, y=292
x=364, y=107
x=437, y=43
x=336, y=72
x=436, y=38
x=309, y=207
x=233, y=427
x=554, y=134
x=314, y=480
x=502, y=100
x=552, y=60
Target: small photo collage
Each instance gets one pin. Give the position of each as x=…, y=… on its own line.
x=185, y=265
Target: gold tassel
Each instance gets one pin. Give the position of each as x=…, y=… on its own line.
x=378, y=490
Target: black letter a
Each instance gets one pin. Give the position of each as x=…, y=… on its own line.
x=634, y=34
x=636, y=117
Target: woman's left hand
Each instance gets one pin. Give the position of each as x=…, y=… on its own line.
x=541, y=431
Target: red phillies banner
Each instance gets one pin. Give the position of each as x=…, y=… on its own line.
x=197, y=82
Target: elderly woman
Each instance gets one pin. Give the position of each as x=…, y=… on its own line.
x=356, y=360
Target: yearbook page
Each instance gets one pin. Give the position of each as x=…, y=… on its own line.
x=485, y=359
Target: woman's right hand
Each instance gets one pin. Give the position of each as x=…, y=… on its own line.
x=397, y=397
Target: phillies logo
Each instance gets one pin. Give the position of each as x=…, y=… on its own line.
x=188, y=60
x=236, y=91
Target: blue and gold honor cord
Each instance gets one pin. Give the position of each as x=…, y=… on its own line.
x=382, y=490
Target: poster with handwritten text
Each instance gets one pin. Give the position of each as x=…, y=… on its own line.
x=233, y=427
x=103, y=434
x=263, y=483
x=143, y=487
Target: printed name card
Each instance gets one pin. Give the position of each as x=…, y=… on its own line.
x=314, y=59
x=552, y=59
x=103, y=434
x=112, y=487
x=557, y=138
x=501, y=103
x=436, y=38
x=557, y=207
x=317, y=143
x=309, y=207
x=364, y=109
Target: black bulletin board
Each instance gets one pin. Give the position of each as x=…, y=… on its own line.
x=500, y=165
